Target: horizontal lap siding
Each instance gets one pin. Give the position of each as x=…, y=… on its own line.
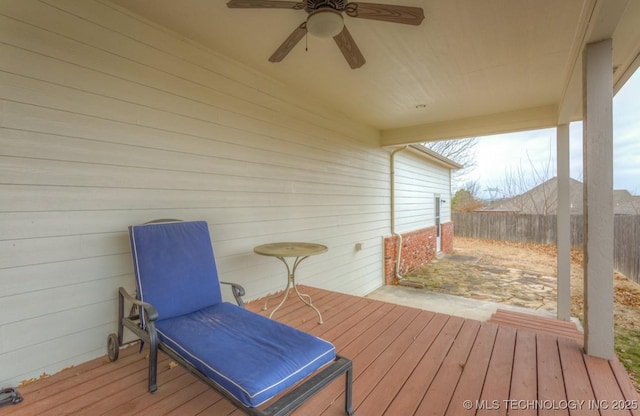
x=416, y=185
x=107, y=120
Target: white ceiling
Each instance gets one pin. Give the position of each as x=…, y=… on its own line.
x=479, y=66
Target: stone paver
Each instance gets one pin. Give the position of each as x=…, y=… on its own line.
x=465, y=276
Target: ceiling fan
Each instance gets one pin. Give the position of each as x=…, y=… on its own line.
x=325, y=20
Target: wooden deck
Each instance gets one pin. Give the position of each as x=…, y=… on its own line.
x=406, y=362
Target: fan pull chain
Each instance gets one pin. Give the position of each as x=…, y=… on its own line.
x=306, y=42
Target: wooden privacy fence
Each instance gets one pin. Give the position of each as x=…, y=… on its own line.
x=541, y=229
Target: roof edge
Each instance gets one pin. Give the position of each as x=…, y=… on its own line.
x=434, y=156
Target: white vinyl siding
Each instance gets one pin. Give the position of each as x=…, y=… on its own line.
x=107, y=120
x=417, y=183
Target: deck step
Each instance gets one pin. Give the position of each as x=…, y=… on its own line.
x=537, y=324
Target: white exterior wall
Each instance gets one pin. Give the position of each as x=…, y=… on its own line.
x=107, y=120
x=416, y=185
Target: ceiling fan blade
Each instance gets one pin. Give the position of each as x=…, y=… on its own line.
x=349, y=49
x=264, y=4
x=386, y=12
x=289, y=43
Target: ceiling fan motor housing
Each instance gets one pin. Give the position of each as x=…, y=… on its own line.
x=311, y=5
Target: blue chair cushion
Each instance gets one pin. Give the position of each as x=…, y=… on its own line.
x=250, y=356
x=174, y=267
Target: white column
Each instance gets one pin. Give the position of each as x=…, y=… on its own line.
x=563, y=230
x=598, y=198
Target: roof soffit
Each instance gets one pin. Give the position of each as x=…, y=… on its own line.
x=472, y=68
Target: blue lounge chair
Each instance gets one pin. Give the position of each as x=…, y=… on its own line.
x=246, y=357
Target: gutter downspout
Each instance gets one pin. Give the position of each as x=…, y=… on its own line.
x=393, y=209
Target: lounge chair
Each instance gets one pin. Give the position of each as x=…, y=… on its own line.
x=245, y=356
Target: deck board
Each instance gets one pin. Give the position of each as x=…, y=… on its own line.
x=390, y=384
x=524, y=377
x=365, y=352
x=406, y=362
x=474, y=372
x=607, y=391
x=497, y=382
x=384, y=360
x=626, y=387
x=413, y=391
x=551, y=385
x=441, y=390
x=577, y=383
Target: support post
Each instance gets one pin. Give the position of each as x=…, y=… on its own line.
x=598, y=198
x=563, y=224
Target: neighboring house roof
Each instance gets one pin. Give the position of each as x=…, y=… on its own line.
x=625, y=203
x=543, y=199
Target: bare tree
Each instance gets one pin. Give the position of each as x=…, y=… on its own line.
x=494, y=193
x=530, y=190
x=473, y=187
x=461, y=151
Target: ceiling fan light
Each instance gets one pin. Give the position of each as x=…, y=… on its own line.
x=325, y=23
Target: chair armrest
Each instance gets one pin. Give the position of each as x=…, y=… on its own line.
x=238, y=292
x=150, y=311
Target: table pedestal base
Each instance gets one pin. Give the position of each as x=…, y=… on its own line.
x=299, y=251
x=292, y=285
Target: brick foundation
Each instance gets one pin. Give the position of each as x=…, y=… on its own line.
x=418, y=248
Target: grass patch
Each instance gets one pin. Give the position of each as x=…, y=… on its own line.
x=627, y=346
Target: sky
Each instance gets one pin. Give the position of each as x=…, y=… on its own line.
x=524, y=151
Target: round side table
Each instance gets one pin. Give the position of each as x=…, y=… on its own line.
x=299, y=251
